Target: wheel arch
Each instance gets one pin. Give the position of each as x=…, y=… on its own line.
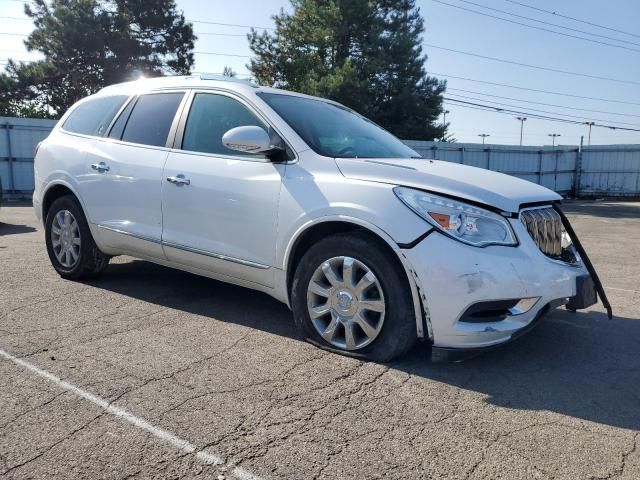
x=55, y=191
x=313, y=231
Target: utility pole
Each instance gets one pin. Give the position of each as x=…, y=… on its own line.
x=521, y=120
x=591, y=124
x=483, y=135
x=553, y=136
x=444, y=123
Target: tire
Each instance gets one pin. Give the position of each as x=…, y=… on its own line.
x=86, y=260
x=397, y=332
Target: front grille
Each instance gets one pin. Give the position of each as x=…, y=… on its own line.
x=545, y=227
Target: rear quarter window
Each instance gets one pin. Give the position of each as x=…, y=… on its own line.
x=93, y=116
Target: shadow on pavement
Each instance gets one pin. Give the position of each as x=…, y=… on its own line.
x=11, y=229
x=603, y=209
x=577, y=364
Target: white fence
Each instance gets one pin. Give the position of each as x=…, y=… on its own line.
x=599, y=170
x=604, y=170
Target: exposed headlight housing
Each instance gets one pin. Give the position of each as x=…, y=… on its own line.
x=461, y=221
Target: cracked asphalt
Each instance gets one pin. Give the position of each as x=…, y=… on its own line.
x=222, y=368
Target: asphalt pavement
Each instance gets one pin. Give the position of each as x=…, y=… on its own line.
x=149, y=372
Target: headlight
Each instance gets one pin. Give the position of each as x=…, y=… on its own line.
x=469, y=224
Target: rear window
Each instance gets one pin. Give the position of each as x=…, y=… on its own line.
x=93, y=116
x=151, y=119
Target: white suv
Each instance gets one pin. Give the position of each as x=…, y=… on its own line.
x=371, y=246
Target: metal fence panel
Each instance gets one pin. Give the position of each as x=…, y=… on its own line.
x=612, y=170
x=18, y=139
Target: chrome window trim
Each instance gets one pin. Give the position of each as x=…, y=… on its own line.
x=219, y=256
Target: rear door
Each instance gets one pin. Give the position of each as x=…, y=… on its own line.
x=222, y=217
x=129, y=164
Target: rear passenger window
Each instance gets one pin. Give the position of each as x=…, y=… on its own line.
x=151, y=119
x=211, y=116
x=93, y=116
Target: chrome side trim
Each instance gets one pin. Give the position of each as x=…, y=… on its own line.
x=207, y=253
x=219, y=256
x=129, y=234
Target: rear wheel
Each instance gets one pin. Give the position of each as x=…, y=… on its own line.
x=70, y=245
x=350, y=296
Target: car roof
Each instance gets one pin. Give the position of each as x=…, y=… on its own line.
x=201, y=80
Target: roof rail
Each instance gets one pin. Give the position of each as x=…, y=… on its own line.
x=224, y=78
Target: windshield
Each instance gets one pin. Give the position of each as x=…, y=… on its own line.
x=335, y=131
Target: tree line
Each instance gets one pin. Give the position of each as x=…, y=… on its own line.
x=365, y=54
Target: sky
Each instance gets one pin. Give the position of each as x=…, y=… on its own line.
x=448, y=25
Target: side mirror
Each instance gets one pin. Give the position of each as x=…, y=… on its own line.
x=249, y=139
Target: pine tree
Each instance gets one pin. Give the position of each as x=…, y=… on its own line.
x=365, y=54
x=88, y=44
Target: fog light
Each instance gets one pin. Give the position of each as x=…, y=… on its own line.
x=523, y=306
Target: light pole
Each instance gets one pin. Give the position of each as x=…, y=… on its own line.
x=483, y=135
x=521, y=120
x=591, y=124
x=553, y=136
x=444, y=123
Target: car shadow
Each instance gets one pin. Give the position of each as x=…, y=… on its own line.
x=11, y=229
x=603, y=209
x=577, y=364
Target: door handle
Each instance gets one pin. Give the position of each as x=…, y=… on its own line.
x=179, y=180
x=101, y=167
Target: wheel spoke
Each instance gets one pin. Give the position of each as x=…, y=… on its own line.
x=67, y=218
x=330, y=274
x=318, y=289
x=67, y=258
x=373, y=305
x=364, y=283
x=319, y=311
x=60, y=255
x=75, y=241
x=55, y=229
x=74, y=255
x=56, y=242
x=330, y=331
x=347, y=271
x=348, y=337
x=368, y=330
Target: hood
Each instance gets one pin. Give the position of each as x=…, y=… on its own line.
x=498, y=190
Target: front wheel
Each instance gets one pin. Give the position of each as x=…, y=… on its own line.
x=350, y=296
x=70, y=245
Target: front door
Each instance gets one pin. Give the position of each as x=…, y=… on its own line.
x=219, y=206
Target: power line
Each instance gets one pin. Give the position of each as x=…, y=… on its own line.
x=527, y=65
x=536, y=28
x=571, y=18
x=549, y=92
x=478, y=106
x=549, y=23
x=222, y=54
x=542, y=103
x=582, y=117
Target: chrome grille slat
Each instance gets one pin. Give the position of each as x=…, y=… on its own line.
x=545, y=228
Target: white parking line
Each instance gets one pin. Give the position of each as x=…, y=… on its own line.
x=164, y=435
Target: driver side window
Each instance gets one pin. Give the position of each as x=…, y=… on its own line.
x=210, y=117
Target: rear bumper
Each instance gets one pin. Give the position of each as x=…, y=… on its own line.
x=453, y=276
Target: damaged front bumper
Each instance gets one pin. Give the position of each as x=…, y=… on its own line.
x=479, y=298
